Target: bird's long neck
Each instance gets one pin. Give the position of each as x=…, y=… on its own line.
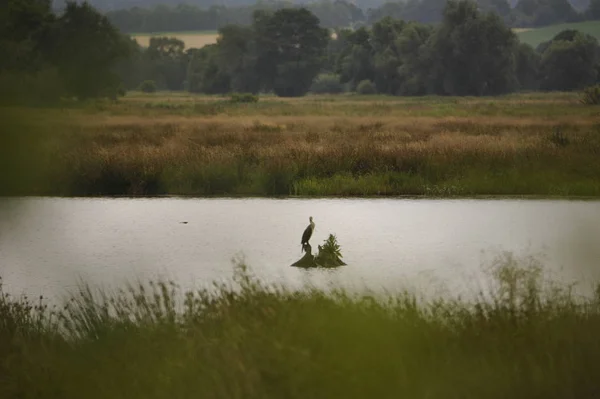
x=312, y=225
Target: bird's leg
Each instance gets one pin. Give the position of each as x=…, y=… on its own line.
x=308, y=249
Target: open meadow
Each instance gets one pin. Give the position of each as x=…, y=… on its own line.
x=194, y=39
x=535, y=36
x=527, y=144
x=197, y=39
x=531, y=36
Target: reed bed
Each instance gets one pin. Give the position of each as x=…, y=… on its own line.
x=525, y=337
x=325, y=149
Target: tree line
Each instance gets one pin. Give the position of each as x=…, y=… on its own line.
x=111, y=5
x=79, y=54
x=342, y=13
x=45, y=56
x=469, y=53
x=184, y=17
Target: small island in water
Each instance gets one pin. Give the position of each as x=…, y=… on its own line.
x=328, y=256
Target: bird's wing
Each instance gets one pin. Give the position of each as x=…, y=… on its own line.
x=306, y=235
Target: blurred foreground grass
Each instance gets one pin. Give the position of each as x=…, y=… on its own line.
x=525, y=338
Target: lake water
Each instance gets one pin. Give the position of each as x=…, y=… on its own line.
x=49, y=245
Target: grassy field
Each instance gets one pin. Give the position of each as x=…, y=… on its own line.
x=537, y=144
x=525, y=339
x=531, y=36
x=195, y=39
x=536, y=36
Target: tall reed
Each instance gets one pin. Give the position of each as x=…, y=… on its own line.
x=425, y=146
x=524, y=338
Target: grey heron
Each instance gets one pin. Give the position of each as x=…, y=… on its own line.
x=308, y=232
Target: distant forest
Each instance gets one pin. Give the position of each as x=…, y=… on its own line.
x=79, y=53
x=111, y=5
x=169, y=16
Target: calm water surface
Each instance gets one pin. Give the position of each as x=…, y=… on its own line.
x=48, y=245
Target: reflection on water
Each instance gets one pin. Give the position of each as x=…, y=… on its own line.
x=48, y=245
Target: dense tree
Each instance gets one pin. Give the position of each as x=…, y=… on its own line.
x=355, y=61
x=164, y=62
x=228, y=65
x=24, y=27
x=134, y=69
x=238, y=58
x=413, y=73
x=469, y=53
x=282, y=51
x=204, y=74
x=49, y=56
x=25, y=73
x=167, y=15
x=291, y=48
x=569, y=61
x=472, y=53
x=86, y=49
x=387, y=55
x=167, y=61
x=527, y=66
x=391, y=54
x=327, y=84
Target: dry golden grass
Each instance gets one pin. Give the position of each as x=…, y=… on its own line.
x=328, y=124
x=519, y=30
x=288, y=135
x=550, y=108
x=313, y=147
x=191, y=39
x=510, y=145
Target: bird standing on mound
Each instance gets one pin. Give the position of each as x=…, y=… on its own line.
x=307, y=233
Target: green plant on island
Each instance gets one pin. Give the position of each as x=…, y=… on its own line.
x=329, y=255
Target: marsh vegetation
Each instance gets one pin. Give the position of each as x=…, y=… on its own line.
x=524, y=337
x=536, y=144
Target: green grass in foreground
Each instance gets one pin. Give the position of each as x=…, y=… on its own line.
x=525, y=340
x=538, y=35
